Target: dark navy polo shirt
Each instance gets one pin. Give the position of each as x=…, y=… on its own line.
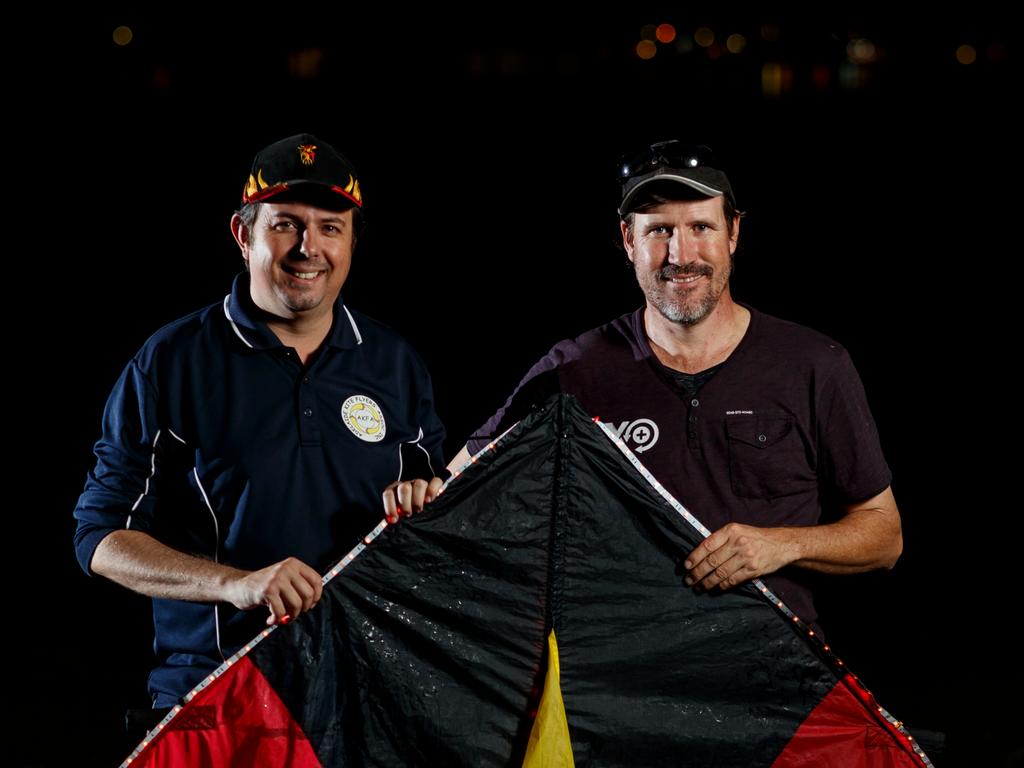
x=779, y=433
x=217, y=442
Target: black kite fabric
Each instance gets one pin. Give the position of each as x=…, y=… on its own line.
x=430, y=647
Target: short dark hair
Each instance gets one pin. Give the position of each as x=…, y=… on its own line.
x=248, y=213
x=650, y=198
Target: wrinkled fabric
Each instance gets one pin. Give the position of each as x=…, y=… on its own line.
x=430, y=647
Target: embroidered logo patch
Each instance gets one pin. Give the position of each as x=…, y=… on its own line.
x=307, y=153
x=364, y=417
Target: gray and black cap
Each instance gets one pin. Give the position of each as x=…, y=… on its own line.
x=671, y=162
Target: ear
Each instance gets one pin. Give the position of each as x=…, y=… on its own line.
x=241, y=234
x=627, y=239
x=734, y=238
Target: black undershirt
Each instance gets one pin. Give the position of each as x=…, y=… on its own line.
x=690, y=383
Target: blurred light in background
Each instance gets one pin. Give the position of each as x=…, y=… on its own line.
x=996, y=51
x=861, y=51
x=776, y=79
x=966, y=54
x=821, y=76
x=665, y=33
x=646, y=49
x=852, y=76
x=305, y=65
x=736, y=43
x=123, y=35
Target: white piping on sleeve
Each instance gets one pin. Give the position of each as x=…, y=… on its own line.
x=426, y=453
x=145, y=487
x=216, y=554
x=416, y=442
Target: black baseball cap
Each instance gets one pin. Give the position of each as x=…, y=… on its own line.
x=306, y=168
x=668, y=162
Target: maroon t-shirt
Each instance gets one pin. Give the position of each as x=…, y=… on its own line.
x=781, y=431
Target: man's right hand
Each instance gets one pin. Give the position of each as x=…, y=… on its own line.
x=288, y=588
x=136, y=560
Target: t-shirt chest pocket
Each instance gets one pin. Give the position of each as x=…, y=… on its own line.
x=766, y=456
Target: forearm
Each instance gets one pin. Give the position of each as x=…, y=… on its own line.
x=141, y=563
x=868, y=537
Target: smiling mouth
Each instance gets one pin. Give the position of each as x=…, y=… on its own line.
x=302, y=275
x=683, y=279
x=677, y=275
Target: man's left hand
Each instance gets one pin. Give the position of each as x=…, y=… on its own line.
x=407, y=497
x=736, y=553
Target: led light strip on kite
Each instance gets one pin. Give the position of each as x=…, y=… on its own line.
x=338, y=568
x=823, y=648
x=341, y=564
x=859, y=690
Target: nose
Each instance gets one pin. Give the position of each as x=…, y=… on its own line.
x=310, y=245
x=680, y=249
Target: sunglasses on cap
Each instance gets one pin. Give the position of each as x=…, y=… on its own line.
x=665, y=154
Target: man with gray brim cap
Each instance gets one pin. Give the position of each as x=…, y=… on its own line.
x=755, y=424
x=668, y=162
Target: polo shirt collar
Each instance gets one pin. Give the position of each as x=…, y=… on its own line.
x=242, y=314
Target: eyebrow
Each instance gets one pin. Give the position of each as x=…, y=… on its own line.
x=292, y=217
x=656, y=224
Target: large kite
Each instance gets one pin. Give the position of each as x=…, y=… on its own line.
x=535, y=615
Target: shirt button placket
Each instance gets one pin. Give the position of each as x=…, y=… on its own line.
x=307, y=424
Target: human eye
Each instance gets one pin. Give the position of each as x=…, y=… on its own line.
x=283, y=225
x=659, y=230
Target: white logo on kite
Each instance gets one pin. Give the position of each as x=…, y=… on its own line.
x=643, y=433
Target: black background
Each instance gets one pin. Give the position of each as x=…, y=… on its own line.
x=881, y=215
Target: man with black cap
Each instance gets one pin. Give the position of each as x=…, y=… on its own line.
x=754, y=423
x=245, y=448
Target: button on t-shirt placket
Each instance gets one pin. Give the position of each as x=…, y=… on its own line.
x=692, y=433
x=309, y=428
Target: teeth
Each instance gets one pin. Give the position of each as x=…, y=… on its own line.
x=306, y=275
x=684, y=279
